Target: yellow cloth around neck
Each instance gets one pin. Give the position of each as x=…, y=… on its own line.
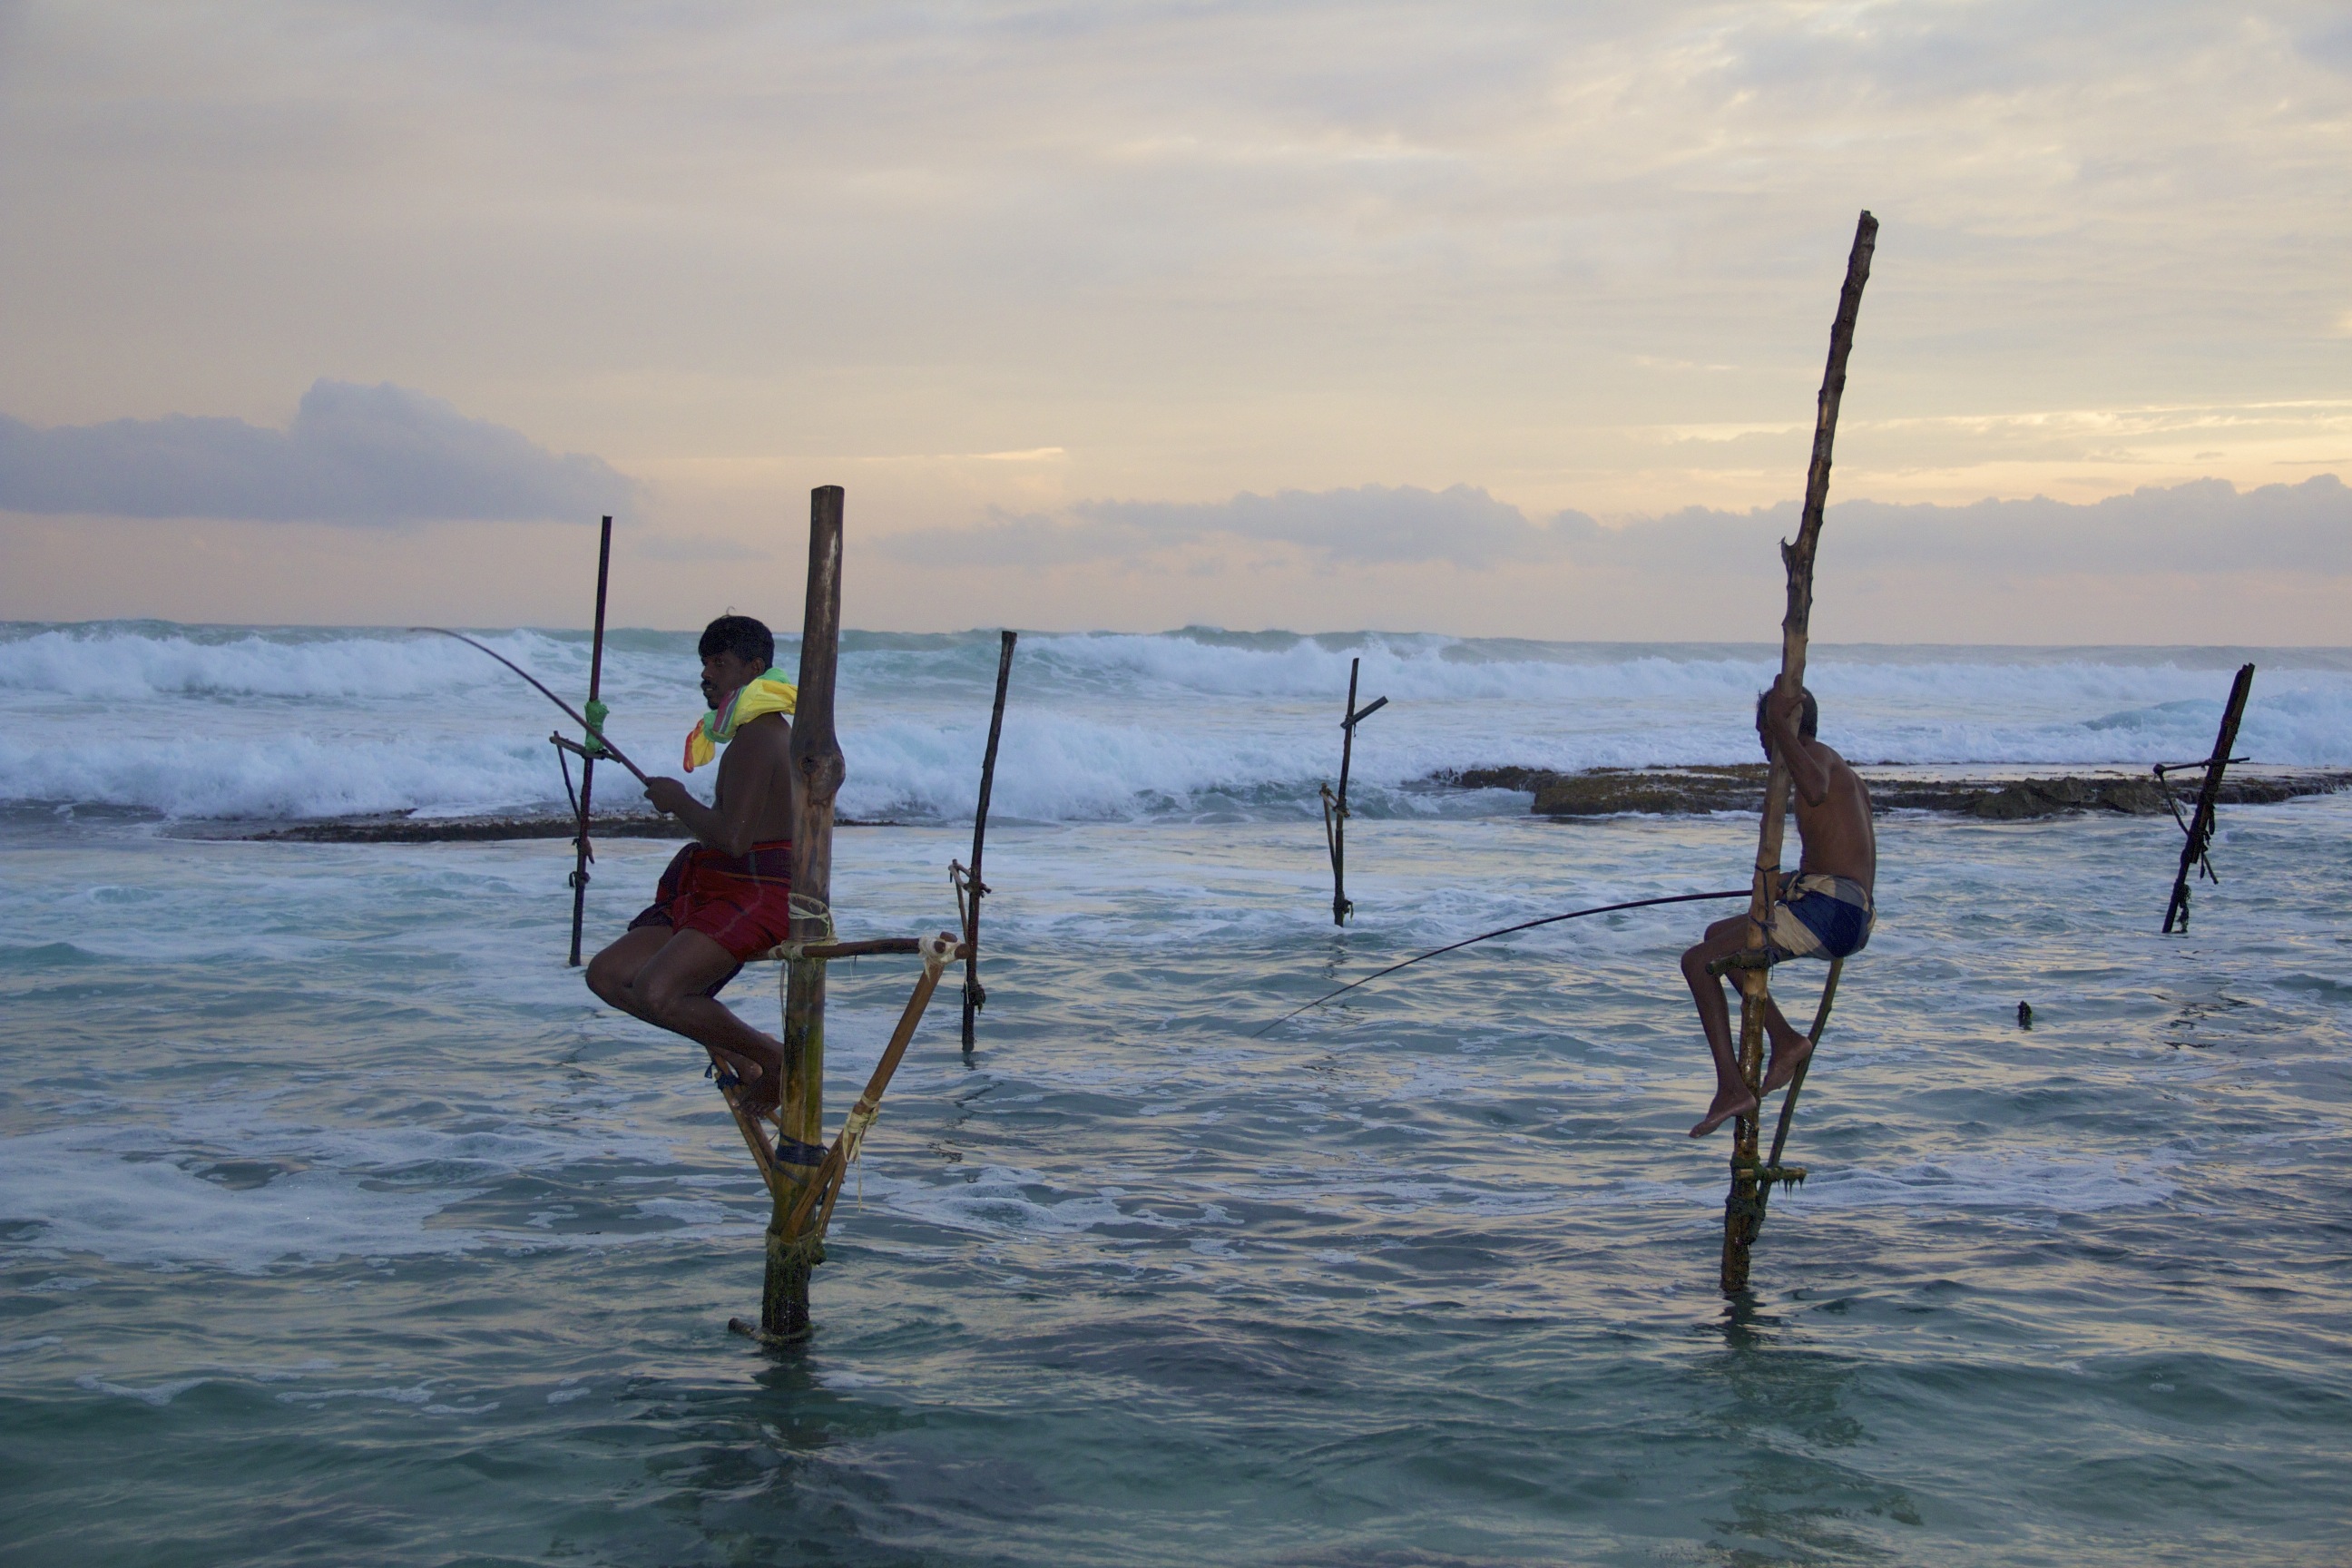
x=771, y=693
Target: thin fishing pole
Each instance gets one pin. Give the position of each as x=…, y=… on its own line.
x=610, y=749
x=1523, y=925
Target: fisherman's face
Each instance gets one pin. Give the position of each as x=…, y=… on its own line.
x=726, y=672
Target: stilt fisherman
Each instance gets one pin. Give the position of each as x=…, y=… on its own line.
x=1822, y=909
x=726, y=896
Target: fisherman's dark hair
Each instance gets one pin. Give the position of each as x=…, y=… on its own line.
x=740, y=636
x=1808, y=722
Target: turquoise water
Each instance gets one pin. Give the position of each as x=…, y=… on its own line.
x=337, y=1224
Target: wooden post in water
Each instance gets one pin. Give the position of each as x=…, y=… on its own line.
x=1335, y=808
x=588, y=757
x=817, y=761
x=1743, y=1208
x=974, y=997
x=2200, y=827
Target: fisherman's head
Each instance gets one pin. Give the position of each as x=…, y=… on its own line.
x=735, y=651
x=1809, y=716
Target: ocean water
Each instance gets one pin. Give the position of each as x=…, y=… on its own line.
x=339, y=1224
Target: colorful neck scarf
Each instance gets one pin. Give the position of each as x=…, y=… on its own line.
x=771, y=693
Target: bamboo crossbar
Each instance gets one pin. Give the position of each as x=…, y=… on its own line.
x=863, y=948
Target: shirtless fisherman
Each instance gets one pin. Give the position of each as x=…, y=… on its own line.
x=726, y=896
x=1824, y=909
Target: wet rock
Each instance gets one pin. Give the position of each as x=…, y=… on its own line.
x=1739, y=786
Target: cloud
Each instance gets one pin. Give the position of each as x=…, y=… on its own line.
x=1371, y=525
x=2205, y=526
x=364, y=454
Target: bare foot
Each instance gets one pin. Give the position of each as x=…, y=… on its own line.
x=755, y=1082
x=1729, y=1103
x=1785, y=1059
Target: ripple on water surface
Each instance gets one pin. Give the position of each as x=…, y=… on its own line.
x=338, y=1223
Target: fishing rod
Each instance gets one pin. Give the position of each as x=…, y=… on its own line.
x=594, y=734
x=1523, y=925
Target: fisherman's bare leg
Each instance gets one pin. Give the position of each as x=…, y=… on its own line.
x=1732, y=1096
x=611, y=972
x=1791, y=1048
x=663, y=977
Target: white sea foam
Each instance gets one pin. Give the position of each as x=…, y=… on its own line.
x=103, y=1191
x=256, y=723
x=2008, y=1178
x=157, y=1396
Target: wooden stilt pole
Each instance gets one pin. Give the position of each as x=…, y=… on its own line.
x=1743, y=1208
x=588, y=757
x=818, y=762
x=2200, y=827
x=1335, y=807
x=974, y=997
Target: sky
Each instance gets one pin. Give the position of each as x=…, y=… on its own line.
x=1488, y=320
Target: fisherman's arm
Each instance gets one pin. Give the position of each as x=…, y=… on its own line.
x=744, y=778
x=1806, y=770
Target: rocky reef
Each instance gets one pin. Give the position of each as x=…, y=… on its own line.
x=1739, y=786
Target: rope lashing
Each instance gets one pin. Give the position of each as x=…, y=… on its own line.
x=797, y=1255
x=962, y=880
x=803, y=906
x=579, y=876
x=1335, y=810
x=1747, y=1207
x=1506, y=930
x=854, y=1129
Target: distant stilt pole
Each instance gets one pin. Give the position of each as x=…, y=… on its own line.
x=1743, y=1207
x=974, y=997
x=588, y=757
x=2200, y=827
x=1334, y=806
x=817, y=760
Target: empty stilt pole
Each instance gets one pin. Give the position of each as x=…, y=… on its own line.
x=974, y=998
x=1334, y=806
x=2199, y=828
x=582, y=854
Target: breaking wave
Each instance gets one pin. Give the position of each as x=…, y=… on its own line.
x=282, y=723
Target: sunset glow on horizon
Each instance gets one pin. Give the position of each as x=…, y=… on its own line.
x=1493, y=321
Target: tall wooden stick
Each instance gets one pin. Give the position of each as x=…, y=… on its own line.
x=974, y=997
x=2200, y=827
x=1338, y=826
x=588, y=757
x=1743, y=1209
x=817, y=760
x=1335, y=808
